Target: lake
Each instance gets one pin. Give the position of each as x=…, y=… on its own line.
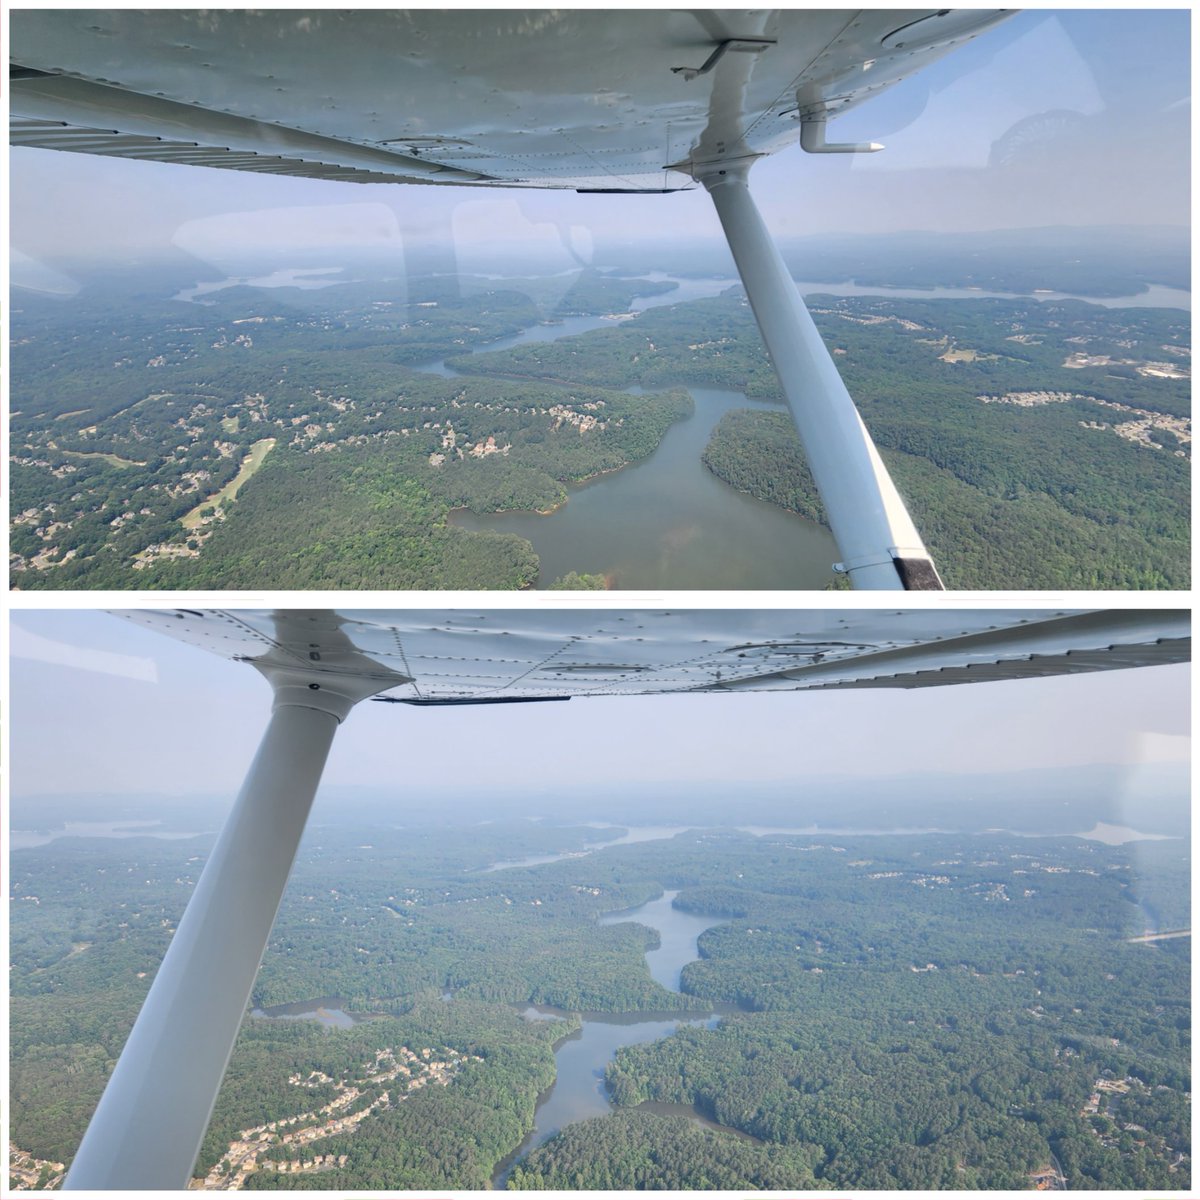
x=1101, y=831
x=304, y=278
x=578, y=1092
x=330, y=1011
x=1110, y=835
x=668, y=522
x=679, y=932
x=1156, y=295
x=26, y=839
x=551, y=331
x=580, y=1060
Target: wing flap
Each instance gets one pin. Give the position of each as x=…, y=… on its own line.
x=55, y=135
x=55, y=112
x=1066, y=644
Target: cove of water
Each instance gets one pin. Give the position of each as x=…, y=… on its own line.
x=534, y=860
x=678, y=931
x=579, y=1092
x=330, y=1011
x=553, y=331
x=1101, y=831
x=1110, y=835
x=305, y=278
x=668, y=522
x=1156, y=295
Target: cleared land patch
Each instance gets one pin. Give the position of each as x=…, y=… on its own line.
x=250, y=464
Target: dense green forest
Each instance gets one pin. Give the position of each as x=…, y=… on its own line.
x=636, y=1151
x=1040, y=444
x=760, y=453
x=917, y=1011
x=980, y=536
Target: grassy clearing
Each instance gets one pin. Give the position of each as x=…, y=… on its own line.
x=250, y=464
x=113, y=460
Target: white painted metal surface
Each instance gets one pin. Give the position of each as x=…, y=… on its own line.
x=869, y=520
x=151, y=1120
x=147, y=1129
x=547, y=98
x=812, y=139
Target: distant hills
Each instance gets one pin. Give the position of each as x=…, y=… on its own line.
x=1151, y=798
x=1089, y=260
x=1097, y=260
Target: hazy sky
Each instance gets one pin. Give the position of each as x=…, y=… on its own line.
x=1074, y=117
x=150, y=715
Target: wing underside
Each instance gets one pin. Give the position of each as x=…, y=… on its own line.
x=513, y=654
x=584, y=99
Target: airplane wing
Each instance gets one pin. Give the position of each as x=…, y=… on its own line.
x=149, y=1124
x=595, y=100
x=454, y=656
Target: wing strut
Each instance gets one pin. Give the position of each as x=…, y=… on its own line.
x=879, y=544
x=147, y=1129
